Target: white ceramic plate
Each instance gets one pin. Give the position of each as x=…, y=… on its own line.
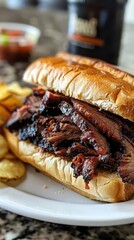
x=40, y=198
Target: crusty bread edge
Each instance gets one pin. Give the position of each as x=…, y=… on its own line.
x=100, y=65
x=87, y=84
x=104, y=186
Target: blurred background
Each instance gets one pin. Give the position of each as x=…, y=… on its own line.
x=60, y=4
x=53, y=19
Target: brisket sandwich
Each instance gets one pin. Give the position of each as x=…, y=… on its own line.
x=77, y=126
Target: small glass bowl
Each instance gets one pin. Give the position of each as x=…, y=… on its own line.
x=17, y=41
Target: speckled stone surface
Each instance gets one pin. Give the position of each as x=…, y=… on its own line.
x=53, y=39
x=14, y=227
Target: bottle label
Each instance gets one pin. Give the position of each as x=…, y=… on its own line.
x=83, y=32
x=86, y=27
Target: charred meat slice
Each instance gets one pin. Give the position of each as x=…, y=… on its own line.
x=49, y=121
x=89, y=167
x=55, y=138
x=68, y=127
x=61, y=151
x=27, y=132
x=18, y=118
x=31, y=132
x=77, y=164
x=128, y=130
x=53, y=99
x=50, y=103
x=104, y=125
x=84, y=166
x=126, y=126
x=55, y=126
x=63, y=119
x=90, y=133
x=31, y=99
x=56, y=132
x=47, y=146
x=49, y=111
x=126, y=165
x=39, y=92
x=43, y=120
x=77, y=148
x=33, y=102
x=108, y=162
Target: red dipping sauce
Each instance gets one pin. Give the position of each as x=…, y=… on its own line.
x=17, y=41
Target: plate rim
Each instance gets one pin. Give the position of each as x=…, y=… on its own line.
x=18, y=202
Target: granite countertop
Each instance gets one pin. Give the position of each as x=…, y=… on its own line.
x=53, y=39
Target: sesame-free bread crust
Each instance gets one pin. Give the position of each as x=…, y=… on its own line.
x=102, y=86
x=100, y=65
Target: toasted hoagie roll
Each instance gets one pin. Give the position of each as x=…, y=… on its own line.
x=77, y=127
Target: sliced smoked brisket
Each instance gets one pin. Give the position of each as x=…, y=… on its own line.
x=90, y=138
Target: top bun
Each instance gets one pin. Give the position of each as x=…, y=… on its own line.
x=106, y=87
x=100, y=65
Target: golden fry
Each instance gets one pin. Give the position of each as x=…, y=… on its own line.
x=11, y=103
x=4, y=116
x=15, y=89
x=3, y=146
x=11, y=96
x=11, y=169
x=4, y=94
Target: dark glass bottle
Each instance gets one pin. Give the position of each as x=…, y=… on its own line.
x=95, y=28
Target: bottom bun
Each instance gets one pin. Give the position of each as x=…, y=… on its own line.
x=104, y=186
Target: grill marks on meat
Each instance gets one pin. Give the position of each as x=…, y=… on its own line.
x=50, y=121
x=108, y=127
x=89, y=132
